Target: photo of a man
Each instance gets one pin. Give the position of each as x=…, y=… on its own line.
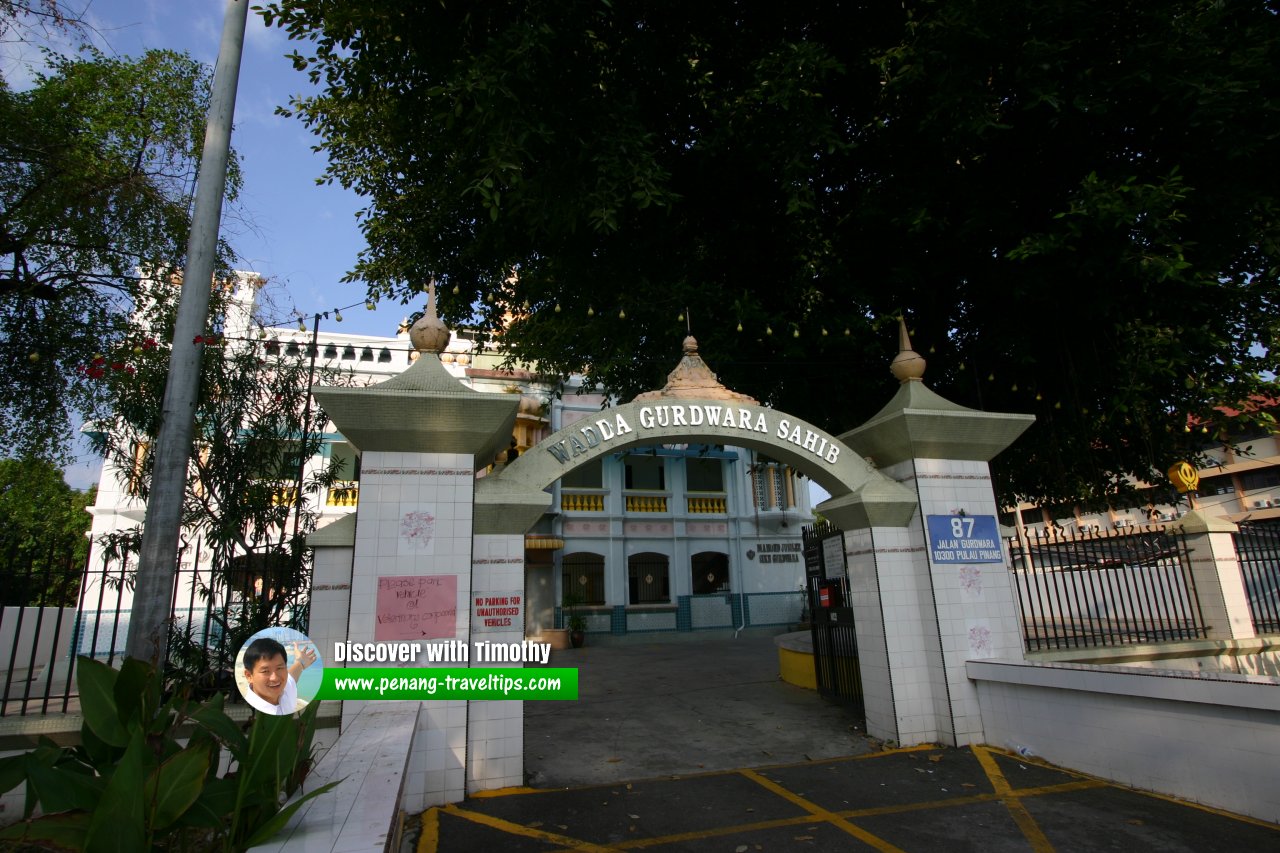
x=271, y=680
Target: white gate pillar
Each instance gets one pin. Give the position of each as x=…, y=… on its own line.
x=922, y=613
x=422, y=435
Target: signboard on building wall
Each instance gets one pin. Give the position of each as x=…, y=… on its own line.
x=833, y=555
x=964, y=539
x=416, y=607
x=498, y=612
x=780, y=552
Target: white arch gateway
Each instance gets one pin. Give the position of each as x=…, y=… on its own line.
x=425, y=523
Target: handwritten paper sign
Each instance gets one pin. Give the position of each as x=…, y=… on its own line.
x=416, y=607
x=498, y=612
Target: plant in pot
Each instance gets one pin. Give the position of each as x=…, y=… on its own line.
x=573, y=620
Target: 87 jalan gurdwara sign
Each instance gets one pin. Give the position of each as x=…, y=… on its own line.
x=964, y=539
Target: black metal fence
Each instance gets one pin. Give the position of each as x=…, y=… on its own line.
x=1106, y=589
x=40, y=594
x=56, y=608
x=1258, y=551
x=835, y=642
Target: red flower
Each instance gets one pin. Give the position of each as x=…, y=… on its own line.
x=150, y=343
x=199, y=339
x=130, y=370
x=100, y=360
x=116, y=365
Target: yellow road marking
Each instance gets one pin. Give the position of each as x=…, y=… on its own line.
x=817, y=811
x=1099, y=781
x=528, y=831
x=873, y=811
x=513, y=791
x=1026, y=823
x=1002, y=792
x=429, y=840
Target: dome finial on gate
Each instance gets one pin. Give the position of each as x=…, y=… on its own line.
x=908, y=365
x=429, y=334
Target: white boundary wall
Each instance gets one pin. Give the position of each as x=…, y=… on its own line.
x=1208, y=737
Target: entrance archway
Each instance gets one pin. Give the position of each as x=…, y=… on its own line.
x=434, y=525
x=511, y=500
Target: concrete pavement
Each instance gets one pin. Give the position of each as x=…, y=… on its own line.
x=692, y=743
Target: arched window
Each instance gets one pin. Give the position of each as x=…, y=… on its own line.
x=582, y=575
x=710, y=571
x=648, y=578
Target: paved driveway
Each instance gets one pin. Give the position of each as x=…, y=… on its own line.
x=680, y=705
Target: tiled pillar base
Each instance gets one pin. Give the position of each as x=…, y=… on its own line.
x=495, y=730
x=415, y=521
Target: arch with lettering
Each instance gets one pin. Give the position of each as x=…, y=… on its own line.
x=512, y=499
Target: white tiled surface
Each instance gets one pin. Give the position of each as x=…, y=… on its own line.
x=918, y=623
x=330, y=599
x=495, y=730
x=391, y=485
x=1212, y=738
x=359, y=814
x=1220, y=586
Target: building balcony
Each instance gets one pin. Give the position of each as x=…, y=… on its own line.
x=646, y=502
x=582, y=500
x=707, y=504
x=284, y=496
x=343, y=493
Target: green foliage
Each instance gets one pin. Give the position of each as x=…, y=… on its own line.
x=1074, y=202
x=131, y=786
x=43, y=542
x=97, y=165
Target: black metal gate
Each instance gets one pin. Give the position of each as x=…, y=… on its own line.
x=835, y=645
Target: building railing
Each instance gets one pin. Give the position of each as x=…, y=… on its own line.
x=641, y=502
x=712, y=504
x=343, y=493
x=1258, y=552
x=574, y=501
x=1107, y=589
x=284, y=496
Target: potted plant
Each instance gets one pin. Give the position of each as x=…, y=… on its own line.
x=575, y=621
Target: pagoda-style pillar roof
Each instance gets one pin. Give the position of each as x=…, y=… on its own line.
x=919, y=424
x=424, y=409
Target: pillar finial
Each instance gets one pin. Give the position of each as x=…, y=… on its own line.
x=429, y=333
x=908, y=365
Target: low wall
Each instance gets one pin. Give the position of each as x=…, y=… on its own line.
x=1250, y=656
x=1212, y=738
x=362, y=814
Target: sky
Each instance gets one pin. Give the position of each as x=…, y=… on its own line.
x=302, y=237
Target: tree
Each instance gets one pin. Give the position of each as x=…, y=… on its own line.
x=247, y=503
x=1073, y=202
x=43, y=542
x=24, y=16
x=97, y=166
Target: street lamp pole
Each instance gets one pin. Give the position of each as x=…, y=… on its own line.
x=148, y=634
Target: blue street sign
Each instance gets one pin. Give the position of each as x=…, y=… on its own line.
x=964, y=539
